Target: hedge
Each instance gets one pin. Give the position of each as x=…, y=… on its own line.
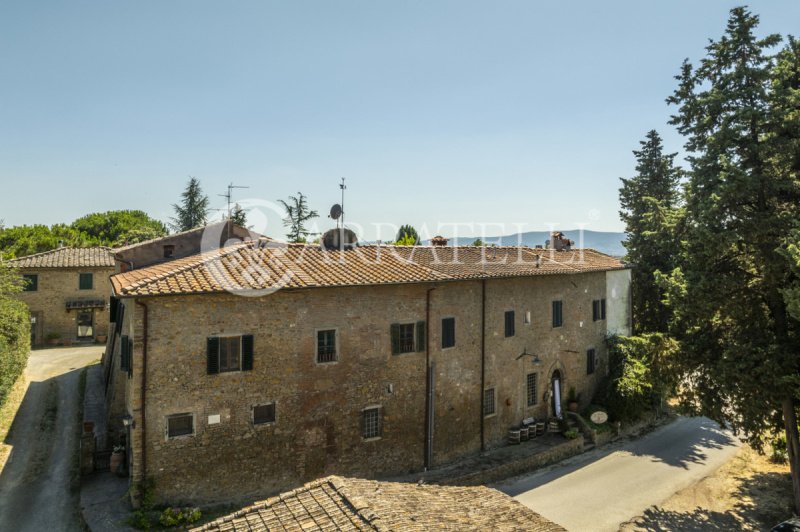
x=15, y=343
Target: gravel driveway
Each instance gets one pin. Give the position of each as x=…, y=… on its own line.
x=39, y=483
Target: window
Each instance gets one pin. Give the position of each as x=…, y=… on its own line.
x=30, y=283
x=180, y=425
x=229, y=353
x=532, y=389
x=126, y=355
x=408, y=337
x=326, y=346
x=558, y=313
x=372, y=422
x=598, y=309
x=263, y=414
x=169, y=251
x=510, y=323
x=488, y=402
x=85, y=281
x=448, y=332
x=590, y=361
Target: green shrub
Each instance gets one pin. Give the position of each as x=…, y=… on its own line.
x=15, y=331
x=571, y=434
x=178, y=516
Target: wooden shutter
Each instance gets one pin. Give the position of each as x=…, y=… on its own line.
x=130, y=357
x=212, y=354
x=602, y=309
x=395, y=333
x=590, y=361
x=247, y=352
x=420, y=336
x=509, y=324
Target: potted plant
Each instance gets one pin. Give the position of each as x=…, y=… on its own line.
x=52, y=338
x=572, y=400
x=117, y=459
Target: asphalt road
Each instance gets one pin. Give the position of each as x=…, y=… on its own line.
x=599, y=490
x=38, y=485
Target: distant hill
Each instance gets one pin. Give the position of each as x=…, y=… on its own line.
x=604, y=242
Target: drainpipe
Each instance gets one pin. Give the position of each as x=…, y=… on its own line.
x=483, y=359
x=143, y=388
x=428, y=384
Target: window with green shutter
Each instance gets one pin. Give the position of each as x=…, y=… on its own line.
x=509, y=323
x=31, y=282
x=229, y=353
x=558, y=314
x=448, y=332
x=85, y=281
x=407, y=337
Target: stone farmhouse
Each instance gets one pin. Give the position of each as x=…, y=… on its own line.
x=241, y=372
x=67, y=291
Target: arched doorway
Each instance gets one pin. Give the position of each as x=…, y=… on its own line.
x=556, y=387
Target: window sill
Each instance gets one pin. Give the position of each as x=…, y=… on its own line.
x=374, y=438
x=181, y=437
x=487, y=416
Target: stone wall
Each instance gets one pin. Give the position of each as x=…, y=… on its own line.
x=318, y=406
x=56, y=286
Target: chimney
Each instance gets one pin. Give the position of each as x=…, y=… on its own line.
x=438, y=241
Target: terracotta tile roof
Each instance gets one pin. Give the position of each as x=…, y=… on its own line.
x=67, y=257
x=252, y=266
x=348, y=504
x=181, y=234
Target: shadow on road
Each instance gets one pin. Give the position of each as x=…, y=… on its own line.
x=679, y=444
x=757, y=509
x=41, y=469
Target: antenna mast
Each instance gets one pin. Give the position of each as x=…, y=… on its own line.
x=228, y=196
x=343, y=187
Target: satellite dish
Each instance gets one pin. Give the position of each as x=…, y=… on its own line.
x=336, y=211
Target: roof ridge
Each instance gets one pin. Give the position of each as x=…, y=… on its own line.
x=199, y=260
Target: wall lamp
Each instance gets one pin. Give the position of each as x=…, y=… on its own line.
x=536, y=360
x=127, y=420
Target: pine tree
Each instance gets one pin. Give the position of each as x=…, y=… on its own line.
x=239, y=216
x=740, y=344
x=297, y=214
x=192, y=210
x=650, y=211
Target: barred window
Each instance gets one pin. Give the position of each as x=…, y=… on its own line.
x=326, y=346
x=532, y=389
x=488, y=402
x=180, y=425
x=372, y=422
x=408, y=337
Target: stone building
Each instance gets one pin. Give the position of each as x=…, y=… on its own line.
x=252, y=369
x=67, y=291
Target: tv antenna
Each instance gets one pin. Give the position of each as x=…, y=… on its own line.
x=341, y=205
x=227, y=197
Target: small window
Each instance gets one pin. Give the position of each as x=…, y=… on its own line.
x=263, y=414
x=180, y=425
x=598, y=309
x=408, y=337
x=30, y=283
x=326, y=346
x=229, y=353
x=532, y=389
x=85, y=281
x=527, y=318
x=509, y=328
x=558, y=314
x=591, y=361
x=488, y=402
x=169, y=251
x=448, y=332
x=372, y=421
x=125, y=354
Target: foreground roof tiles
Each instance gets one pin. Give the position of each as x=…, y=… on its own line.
x=348, y=504
x=67, y=257
x=254, y=266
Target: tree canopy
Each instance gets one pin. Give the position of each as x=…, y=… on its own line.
x=192, y=211
x=297, y=215
x=120, y=227
x=408, y=235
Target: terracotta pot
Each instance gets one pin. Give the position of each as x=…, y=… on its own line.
x=101, y=339
x=116, y=461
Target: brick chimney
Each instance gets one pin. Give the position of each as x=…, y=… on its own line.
x=438, y=241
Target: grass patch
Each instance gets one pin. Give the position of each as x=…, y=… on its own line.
x=7, y=414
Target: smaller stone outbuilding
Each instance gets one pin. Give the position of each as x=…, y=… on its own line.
x=67, y=290
x=350, y=504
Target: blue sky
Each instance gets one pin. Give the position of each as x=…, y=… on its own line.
x=516, y=112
